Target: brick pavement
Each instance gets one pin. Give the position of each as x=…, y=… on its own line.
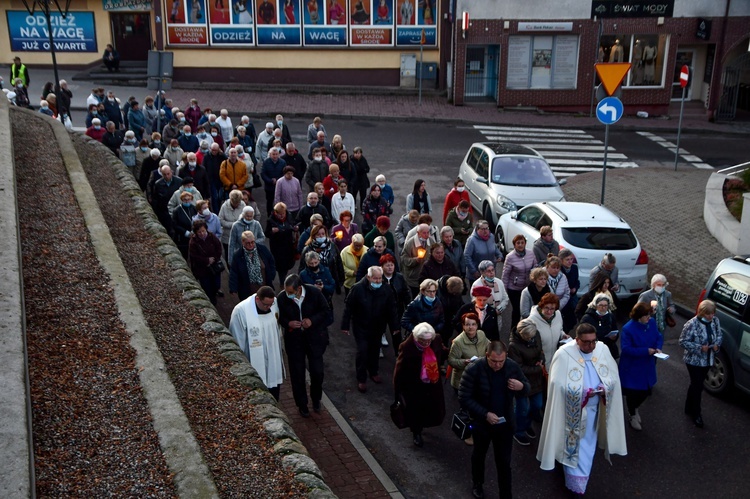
x=665, y=210
x=344, y=469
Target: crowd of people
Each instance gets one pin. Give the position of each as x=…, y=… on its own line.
x=434, y=290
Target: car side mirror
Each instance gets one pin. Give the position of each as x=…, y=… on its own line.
x=483, y=180
x=562, y=181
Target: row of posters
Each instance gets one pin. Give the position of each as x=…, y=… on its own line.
x=301, y=22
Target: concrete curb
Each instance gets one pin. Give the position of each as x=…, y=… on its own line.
x=294, y=456
x=16, y=445
x=720, y=223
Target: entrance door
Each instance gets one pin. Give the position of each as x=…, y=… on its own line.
x=131, y=35
x=684, y=58
x=476, y=67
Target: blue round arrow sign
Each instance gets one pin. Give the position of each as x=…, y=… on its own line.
x=609, y=110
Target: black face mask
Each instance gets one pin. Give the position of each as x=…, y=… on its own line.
x=314, y=269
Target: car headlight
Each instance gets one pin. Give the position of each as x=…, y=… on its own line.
x=505, y=203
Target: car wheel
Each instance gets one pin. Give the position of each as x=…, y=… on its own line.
x=719, y=378
x=487, y=215
x=500, y=241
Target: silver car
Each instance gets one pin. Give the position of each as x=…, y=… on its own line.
x=502, y=177
x=729, y=287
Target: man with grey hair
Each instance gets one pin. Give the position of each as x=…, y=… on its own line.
x=414, y=255
x=150, y=164
x=370, y=308
x=167, y=185
x=608, y=267
x=249, y=129
x=261, y=146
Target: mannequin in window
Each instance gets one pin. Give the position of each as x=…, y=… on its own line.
x=638, y=63
x=649, y=63
x=615, y=54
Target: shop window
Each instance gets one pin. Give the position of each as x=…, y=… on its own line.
x=647, y=54
x=542, y=61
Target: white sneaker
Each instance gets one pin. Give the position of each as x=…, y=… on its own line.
x=384, y=340
x=381, y=353
x=635, y=422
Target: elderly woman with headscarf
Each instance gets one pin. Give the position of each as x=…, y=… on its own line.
x=603, y=320
x=481, y=304
x=526, y=350
x=660, y=300
x=252, y=267
x=244, y=223
x=416, y=380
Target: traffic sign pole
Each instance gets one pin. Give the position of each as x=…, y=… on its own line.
x=684, y=81
x=604, y=164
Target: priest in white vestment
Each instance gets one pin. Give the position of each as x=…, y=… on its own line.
x=255, y=327
x=584, y=407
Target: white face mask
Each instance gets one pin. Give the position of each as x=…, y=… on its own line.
x=192, y=164
x=381, y=184
x=659, y=289
x=460, y=189
x=318, y=158
x=206, y=212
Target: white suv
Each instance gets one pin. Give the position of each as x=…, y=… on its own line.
x=502, y=177
x=589, y=231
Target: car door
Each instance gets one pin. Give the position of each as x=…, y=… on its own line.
x=525, y=224
x=469, y=175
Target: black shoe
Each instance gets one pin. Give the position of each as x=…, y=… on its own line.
x=698, y=422
x=316, y=406
x=477, y=491
x=304, y=412
x=418, y=440
x=220, y=294
x=522, y=439
x=530, y=432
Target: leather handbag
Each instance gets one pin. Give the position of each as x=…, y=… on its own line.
x=398, y=413
x=462, y=425
x=217, y=267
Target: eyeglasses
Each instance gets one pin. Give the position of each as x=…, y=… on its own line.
x=587, y=342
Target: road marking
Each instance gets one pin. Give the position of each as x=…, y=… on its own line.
x=693, y=160
x=567, y=151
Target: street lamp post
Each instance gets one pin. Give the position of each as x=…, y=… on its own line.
x=46, y=7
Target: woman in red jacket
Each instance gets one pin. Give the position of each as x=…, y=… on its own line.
x=455, y=196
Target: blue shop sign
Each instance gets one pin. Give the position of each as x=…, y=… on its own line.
x=227, y=35
x=325, y=36
x=74, y=33
x=279, y=35
x=413, y=36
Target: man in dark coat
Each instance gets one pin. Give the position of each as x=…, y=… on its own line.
x=487, y=389
x=370, y=308
x=295, y=159
x=167, y=185
x=112, y=108
x=313, y=206
x=272, y=170
x=246, y=281
x=304, y=318
x=212, y=163
x=198, y=174
x=113, y=137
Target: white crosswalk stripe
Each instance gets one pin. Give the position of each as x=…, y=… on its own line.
x=568, y=152
x=691, y=159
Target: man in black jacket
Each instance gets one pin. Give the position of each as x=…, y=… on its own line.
x=487, y=389
x=371, y=307
x=212, y=163
x=313, y=206
x=304, y=317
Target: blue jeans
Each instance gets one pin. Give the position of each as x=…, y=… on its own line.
x=525, y=408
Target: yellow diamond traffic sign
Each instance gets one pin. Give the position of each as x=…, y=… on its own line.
x=611, y=74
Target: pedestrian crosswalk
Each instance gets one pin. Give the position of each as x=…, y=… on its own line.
x=685, y=155
x=567, y=151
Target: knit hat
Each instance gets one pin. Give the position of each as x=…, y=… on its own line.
x=383, y=221
x=481, y=291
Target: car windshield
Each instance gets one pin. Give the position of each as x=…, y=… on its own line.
x=599, y=238
x=521, y=170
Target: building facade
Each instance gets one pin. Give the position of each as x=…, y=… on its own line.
x=540, y=54
x=323, y=42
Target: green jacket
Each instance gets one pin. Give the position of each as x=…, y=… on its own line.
x=462, y=349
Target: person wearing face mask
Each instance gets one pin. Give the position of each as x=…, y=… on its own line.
x=188, y=142
x=570, y=269
x=362, y=167
x=252, y=266
x=141, y=153
x=244, y=223
x=188, y=185
x=662, y=306
x=320, y=243
x=93, y=113
x=249, y=130
x=95, y=131
x=351, y=257
x=182, y=221
x=480, y=304
x=518, y=264
x=459, y=219
x=225, y=124
x=233, y=172
x=150, y=113
x=454, y=197
x=414, y=255
x=197, y=172
x=319, y=276
x=112, y=108
x=386, y=191
x=701, y=338
x=22, y=94
x=488, y=278
x=204, y=151
x=113, y=137
x=204, y=249
x=304, y=318
x=127, y=150
x=204, y=136
x=605, y=323
x=286, y=135
x=193, y=114
x=213, y=224
x=148, y=167
x=373, y=207
x=370, y=309
x=170, y=132
x=44, y=109
x=136, y=120
x=319, y=143
x=480, y=246
x=316, y=171
x=426, y=307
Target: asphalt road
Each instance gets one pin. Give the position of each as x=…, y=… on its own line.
x=670, y=457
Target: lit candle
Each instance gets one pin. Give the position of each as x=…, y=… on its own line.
x=421, y=252
x=339, y=234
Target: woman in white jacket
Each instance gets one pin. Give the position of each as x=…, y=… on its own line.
x=549, y=324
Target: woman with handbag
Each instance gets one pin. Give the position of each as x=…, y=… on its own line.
x=662, y=306
x=526, y=350
x=204, y=255
x=416, y=378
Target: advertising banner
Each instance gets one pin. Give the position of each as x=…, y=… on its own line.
x=279, y=23
x=371, y=23
x=126, y=5
x=412, y=16
x=74, y=33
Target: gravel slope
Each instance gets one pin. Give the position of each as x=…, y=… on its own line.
x=92, y=430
